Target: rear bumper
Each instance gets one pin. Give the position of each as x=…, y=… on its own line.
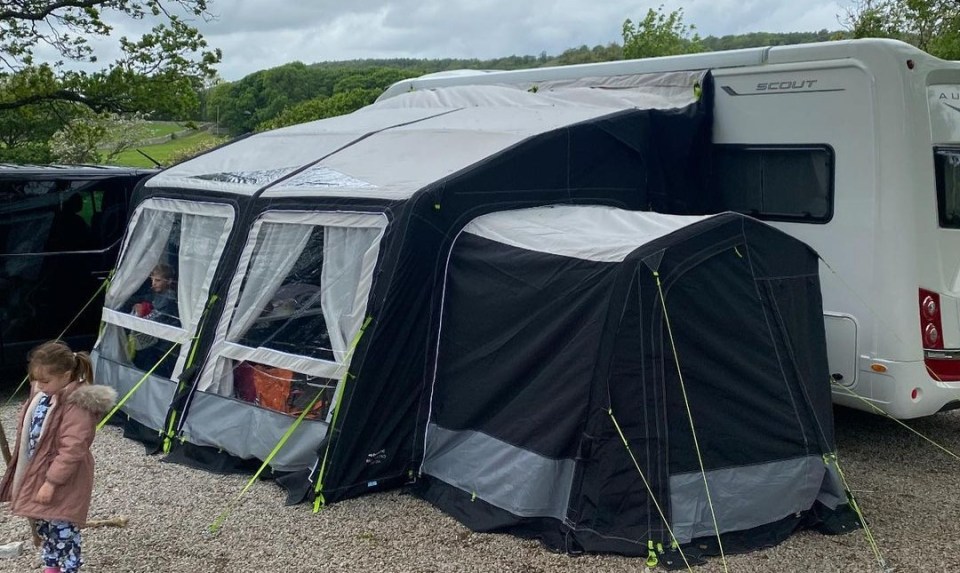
x=905, y=390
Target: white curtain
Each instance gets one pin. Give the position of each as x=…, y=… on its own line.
x=113, y=344
x=349, y=256
x=280, y=248
x=200, y=236
x=348, y=261
x=147, y=242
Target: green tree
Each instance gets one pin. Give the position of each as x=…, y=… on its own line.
x=161, y=73
x=931, y=25
x=259, y=98
x=659, y=34
x=97, y=137
x=586, y=55
x=25, y=130
x=323, y=107
x=153, y=73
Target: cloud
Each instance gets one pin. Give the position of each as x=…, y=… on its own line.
x=260, y=34
x=723, y=17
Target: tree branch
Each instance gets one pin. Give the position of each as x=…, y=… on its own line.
x=46, y=11
x=61, y=95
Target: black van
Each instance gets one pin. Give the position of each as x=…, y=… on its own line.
x=60, y=233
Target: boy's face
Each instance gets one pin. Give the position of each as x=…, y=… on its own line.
x=159, y=283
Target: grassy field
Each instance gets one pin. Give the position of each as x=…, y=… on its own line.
x=164, y=152
x=160, y=128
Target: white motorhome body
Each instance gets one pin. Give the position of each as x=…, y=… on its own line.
x=854, y=148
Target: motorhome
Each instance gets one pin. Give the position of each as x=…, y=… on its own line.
x=853, y=147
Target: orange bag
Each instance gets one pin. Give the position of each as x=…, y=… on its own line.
x=273, y=387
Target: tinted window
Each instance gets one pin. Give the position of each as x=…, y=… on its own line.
x=776, y=183
x=59, y=216
x=60, y=231
x=948, y=187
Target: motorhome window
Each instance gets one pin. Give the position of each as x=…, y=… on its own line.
x=947, y=162
x=776, y=183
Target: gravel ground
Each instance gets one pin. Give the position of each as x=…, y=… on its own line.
x=906, y=487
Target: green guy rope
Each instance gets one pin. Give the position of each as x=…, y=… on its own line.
x=60, y=336
x=850, y=393
x=168, y=438
x=693, y=432
x=319, y=500
x=832, y=458
x=218, y=522
x=136, y=386
x=646, y=484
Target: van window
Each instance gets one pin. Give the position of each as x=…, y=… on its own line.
x=947, y=162
x=60, y=233
x=780, y=183
x=61, y=216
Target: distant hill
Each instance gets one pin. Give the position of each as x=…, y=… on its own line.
x=757, y=39
x=581, y=55
x=298, y=92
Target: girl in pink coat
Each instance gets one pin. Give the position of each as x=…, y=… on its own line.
x=50, y=478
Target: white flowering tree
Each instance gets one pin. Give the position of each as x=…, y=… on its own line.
x=97, y=138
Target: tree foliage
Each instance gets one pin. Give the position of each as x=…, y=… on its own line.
x=587, y=55
x=160, y=73
x=931, y=25
x=97, y=138
x=322, y=107
x=258, y=99
x=659, y=34
x=155, y=73
x=757, y=39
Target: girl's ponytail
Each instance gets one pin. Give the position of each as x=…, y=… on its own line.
x=83, y=371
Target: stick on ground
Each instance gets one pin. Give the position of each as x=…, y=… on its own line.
x=5, y=446
x=116, y=521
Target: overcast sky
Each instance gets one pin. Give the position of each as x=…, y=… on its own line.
x=260, y=34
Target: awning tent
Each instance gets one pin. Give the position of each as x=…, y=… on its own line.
x=605, y=380
x=309, y=259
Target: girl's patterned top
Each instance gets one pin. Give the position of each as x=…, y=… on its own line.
x=36, y=423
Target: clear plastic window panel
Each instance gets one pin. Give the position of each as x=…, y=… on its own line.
x=291, y=319
x=299, y=304
x=162, y=280
x=282, y=390
x=155, y=299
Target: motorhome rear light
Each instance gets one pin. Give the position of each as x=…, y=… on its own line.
x=915, y=394
x=931, y=327
x=929, y=307
x=880, y=368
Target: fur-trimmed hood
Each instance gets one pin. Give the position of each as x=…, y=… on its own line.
x=93, y=398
